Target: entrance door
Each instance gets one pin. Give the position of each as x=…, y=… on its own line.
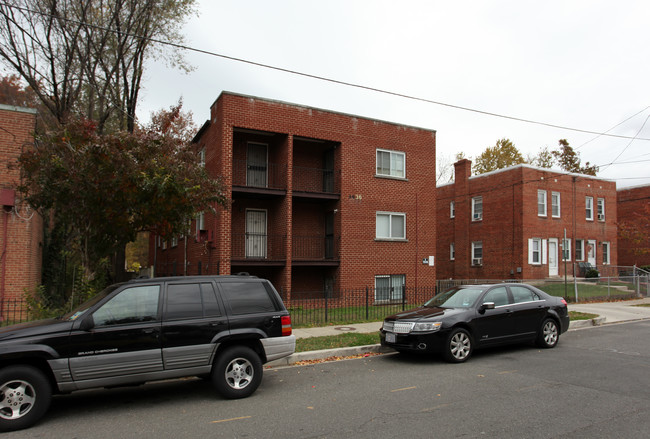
x=329, y=235
x=256, y=165
x=552, y=257
x=591, y=252
x=328, y=172
x=256, y=233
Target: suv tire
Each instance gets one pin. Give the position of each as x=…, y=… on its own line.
x=237, y=372
x=25, y=395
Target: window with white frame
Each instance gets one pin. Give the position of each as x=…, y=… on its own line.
x=477, y=253
x=452, y=210
x=390, y=225
x=536, y=251
x=174, y=241
x=541, y=202
x=200, y=223
x=580, y=249
x=389, y=287
x=477, y=208
x=600, y=209
x=566, y=249
x=555, y=204
x=164, y=244
x=202, y=157
x=606, y=253
x=589, y=208
x=452, y=251
x=391, y=163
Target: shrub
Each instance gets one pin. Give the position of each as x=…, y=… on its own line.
x=592, y=273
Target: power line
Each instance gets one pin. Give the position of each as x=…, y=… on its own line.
x=333, y=81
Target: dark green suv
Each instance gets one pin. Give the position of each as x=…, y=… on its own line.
x=218, y=327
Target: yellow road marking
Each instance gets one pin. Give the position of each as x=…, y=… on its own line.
x=405, y=388
x=231, y=419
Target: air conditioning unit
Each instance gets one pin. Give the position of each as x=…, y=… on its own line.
x=478, y=216
x=477, y=261
x=601, y=217
x=205, y=236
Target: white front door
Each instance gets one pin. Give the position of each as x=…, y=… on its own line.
x=256, y=233
x=552, y=257
x=591, y=252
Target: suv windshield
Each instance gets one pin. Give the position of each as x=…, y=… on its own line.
x=456, y=297
x=81, y=309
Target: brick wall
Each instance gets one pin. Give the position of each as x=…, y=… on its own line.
x=510, y=219
x=631, y=203
x=21, y=229
x=292, y=130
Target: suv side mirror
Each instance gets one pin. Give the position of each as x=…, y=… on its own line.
x=87, y=323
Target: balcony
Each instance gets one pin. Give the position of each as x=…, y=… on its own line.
x=268, y=178
x=314, y=182
x=258, y=249
x=315, y=250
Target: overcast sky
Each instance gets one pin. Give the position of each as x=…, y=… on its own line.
x=576, y=64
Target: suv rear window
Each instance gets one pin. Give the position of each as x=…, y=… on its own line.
x=247, y=297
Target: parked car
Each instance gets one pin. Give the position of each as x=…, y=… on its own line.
x=222, y=328
x=468, y=317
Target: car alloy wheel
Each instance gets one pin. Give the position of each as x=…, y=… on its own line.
x=24, y=397
x=237, y=372
x=459, y=346
x=549, y=334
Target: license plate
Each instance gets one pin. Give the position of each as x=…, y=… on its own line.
x=390, y=337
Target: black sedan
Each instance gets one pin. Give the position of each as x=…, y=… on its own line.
x=468, y=317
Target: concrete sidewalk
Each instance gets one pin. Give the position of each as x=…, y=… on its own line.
x=607, y=312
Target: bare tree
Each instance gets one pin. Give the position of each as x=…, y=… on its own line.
x=88, y=56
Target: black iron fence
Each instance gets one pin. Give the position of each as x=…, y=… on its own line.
x=13, y=311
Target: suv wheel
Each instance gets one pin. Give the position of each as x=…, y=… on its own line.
x=25, y=395
x=237, y=372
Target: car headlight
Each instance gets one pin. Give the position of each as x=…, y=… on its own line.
x=427, y=326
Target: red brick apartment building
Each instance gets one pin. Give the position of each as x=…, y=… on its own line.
x=632, y=202
x=21, y=230
x=510, y=223
x=319, y=200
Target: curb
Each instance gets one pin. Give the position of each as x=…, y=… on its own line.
x=577, y=324
x=327, y=353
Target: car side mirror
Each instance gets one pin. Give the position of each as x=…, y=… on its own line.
x=486, y=305
x=87, y=323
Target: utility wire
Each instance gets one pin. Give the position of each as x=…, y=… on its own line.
x=333, y=81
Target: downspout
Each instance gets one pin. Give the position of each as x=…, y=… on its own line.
x=3, y=256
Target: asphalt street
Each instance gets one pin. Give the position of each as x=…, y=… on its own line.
x=593, y=384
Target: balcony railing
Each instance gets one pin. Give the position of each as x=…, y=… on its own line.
x=258, y=246
x=315, y=248
x=315, y=180
x=268, y=175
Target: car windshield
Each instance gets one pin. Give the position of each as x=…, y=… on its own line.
x=456, y=298
x=81, y=309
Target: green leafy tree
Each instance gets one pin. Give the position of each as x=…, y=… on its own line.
x=569, y=160
x=500, y=156
x=103, y=189
x=543, y=159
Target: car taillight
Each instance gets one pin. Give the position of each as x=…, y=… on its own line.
x=286, y=325
x=564, y=302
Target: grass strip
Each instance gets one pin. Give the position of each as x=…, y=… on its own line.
x=336, y=341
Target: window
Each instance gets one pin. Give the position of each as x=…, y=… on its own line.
x=174, y=241
x=541, y=202
x=389, y=287
x=247, y=297
x=606, y=253
x=477, y=208
x=202, y=157
x=200, y=223
x=589, y=208
x=133, y=305
x=536, y=251
x=164, y=245
x=600, y=209
x=391, y=225
x=452, y=251
x=477, y=253
x=452, y=210
x=391, y=163
x=555, y=204
x=498, y=296
x=521, y=294
x=566, y=249
x=580, y=249
x=183, y=302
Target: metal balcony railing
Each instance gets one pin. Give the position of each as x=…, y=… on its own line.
x=268, y=175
